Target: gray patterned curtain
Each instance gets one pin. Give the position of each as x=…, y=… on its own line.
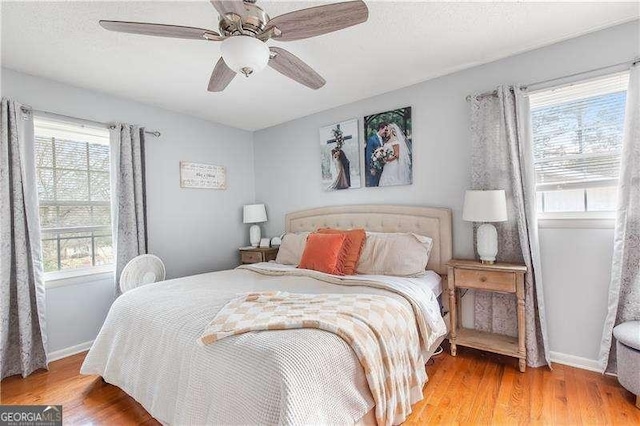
x=502, y=158
x=129, y=199
x=624, y=288
x=22, y=304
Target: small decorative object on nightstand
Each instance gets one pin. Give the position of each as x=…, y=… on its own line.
x=485, y=206
x=276, y=241
x=265, y=242
x=497, y=277
x=256, y=254
x=254, y=213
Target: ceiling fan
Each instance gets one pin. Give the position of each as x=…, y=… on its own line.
x=245, y=28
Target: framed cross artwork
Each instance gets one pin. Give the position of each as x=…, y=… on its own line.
x=340, y=162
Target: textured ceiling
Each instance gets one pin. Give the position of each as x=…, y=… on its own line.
x=401, y=44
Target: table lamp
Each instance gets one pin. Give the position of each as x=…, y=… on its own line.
x=254, y=213
x=485, y=206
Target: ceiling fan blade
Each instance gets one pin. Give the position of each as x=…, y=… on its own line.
x=319, y=20
x=288, y=64
x=229, y=6
x=220, y=77
x=161, y=30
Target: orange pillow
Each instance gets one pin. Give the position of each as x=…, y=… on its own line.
x=354, y=243
x=323, y=252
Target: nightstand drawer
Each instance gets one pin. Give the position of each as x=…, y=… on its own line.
x=486, y=280
x=250, y=257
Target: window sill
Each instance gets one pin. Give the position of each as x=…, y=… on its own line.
x=574, y=223
x=78, y=276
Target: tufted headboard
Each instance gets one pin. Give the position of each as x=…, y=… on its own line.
x=432, y=222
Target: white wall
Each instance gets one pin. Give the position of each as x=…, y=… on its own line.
x=192, y=230
x=287, y=156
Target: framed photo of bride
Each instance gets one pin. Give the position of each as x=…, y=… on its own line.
x=340, y=156
x=388, y=150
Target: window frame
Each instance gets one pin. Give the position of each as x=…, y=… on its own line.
x=79, y=275
x=586, y=215
x=583, y=219
x=74, y=276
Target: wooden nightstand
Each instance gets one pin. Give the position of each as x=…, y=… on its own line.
x=257, y=254
x=499, y=277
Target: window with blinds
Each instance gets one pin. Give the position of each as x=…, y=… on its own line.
x=72, y=169
x=577, y=142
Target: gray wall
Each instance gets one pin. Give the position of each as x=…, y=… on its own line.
x=199, y=230
x=289, y=154
x=576, y=266
x=287, y=171
x=192, y=230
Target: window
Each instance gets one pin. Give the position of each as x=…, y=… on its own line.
x=72, y=170
x=577, y=142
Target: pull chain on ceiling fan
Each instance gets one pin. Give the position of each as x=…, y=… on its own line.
x=244, y=29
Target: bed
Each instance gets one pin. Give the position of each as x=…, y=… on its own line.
x=148, y=344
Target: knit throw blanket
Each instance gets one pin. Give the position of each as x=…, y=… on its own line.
x=381, y=330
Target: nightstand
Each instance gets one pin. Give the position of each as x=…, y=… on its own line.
x=499, y=277
x=257, y=254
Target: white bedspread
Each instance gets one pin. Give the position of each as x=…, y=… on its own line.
x=148, y=347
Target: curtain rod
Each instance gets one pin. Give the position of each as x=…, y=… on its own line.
x=631, y=63
x=27, y=108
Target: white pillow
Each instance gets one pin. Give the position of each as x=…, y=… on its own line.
x=398, y=254
x=290, y=251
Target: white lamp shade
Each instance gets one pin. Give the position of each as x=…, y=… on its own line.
x=254, y=213
x=245, y=54
x=485, y=206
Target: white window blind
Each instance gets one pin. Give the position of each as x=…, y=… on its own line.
x=577, y=141
x=72, y=169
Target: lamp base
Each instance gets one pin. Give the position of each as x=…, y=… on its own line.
x=254, y=235
x=487, y=243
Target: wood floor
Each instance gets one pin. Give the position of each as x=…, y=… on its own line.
x=472, y=388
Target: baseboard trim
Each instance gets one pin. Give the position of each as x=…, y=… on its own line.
x=557, y=357
x=575, y=361
x=71, y=350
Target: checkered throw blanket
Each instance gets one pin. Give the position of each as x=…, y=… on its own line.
x=381, y=331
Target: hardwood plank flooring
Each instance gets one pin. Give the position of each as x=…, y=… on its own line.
x=474, y=388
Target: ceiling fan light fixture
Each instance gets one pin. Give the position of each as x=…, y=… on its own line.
x=244, y=28
x=245, y=55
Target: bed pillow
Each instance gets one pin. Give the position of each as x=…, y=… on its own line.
x=291, y=248
x=398, y=254
x=354, y=242
x=324, y=253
